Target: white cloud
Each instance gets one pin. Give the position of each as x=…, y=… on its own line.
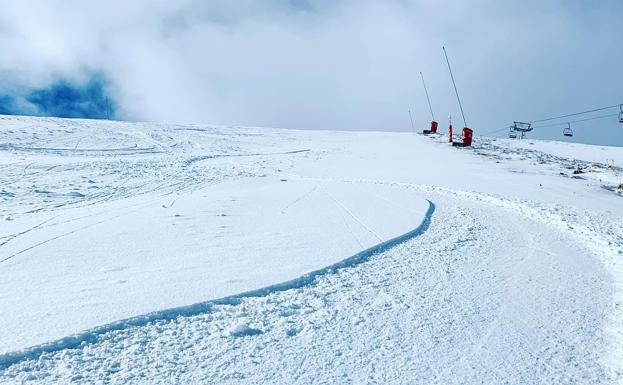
x=321, y=64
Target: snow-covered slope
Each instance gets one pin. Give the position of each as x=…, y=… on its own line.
x=609, y=156
x=105, y=221
x=361, y=257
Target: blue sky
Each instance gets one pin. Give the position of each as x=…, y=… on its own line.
x=344, y=64
x=62, y=99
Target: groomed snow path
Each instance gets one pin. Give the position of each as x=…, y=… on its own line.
x=463, y=300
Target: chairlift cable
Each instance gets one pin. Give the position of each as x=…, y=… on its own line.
x=575, y=114
x=561, y=123
x=495, y=131
x=577, y=121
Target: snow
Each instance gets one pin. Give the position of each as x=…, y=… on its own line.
x=128, y=232
x=611, y=156
x=243, y=330
x=154, y=253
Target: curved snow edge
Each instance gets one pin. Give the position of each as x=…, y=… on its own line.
x=91, y=336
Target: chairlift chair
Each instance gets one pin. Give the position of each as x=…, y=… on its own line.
x=522, y=128
x=512, y=133
x=567, y=130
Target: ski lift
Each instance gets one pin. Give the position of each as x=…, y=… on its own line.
x=620, y=113
x=567, y=130
x=512, y=133
x=522, y=128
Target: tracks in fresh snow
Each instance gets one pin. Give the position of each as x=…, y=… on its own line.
x=468, y=300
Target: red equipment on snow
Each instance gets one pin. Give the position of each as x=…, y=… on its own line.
x=433, y=127
x=467, y=136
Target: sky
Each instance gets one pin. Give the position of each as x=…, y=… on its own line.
x=339, y=65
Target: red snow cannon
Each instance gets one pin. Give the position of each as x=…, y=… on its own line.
x=433, y=127
x=467, y=136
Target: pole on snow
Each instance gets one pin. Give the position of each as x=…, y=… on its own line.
x=427, y=98
x=454, y=84
x=433, y=123
x=449, y=128
x=467, y=132
x=412, y=125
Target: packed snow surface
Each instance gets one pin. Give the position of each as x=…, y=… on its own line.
x=151, y=253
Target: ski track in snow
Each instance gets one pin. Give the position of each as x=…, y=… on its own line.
x=411, y=311
x=352, y=215
x=93, y=174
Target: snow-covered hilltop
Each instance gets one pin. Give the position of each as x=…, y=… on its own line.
x=153, y=253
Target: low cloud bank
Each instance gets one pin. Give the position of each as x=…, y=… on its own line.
x=316, y=64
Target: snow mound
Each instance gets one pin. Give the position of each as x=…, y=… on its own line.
x=244, y=330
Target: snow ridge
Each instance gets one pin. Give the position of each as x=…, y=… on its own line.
x=92, y=336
